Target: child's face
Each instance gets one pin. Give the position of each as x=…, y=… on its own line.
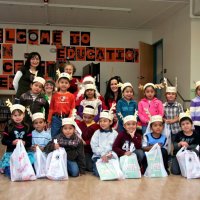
x=186, y=126
x=48, y=88
x=69, y=69
x=157, y=127
x=170, y=96
x=149, y=93
x=130, y=126
x=90, y=93
x=17, y=117
x=198, y=91
x=105, y=123
x=128, y=93
x=63, y=84
x=68, y=130
x=35, y=61
x=36, y=88
x=39, y=124
x=114, y=85
x=88, y=118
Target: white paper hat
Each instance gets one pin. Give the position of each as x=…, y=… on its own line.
x=149, y=84
x=171, y=89
x=38, y=115
x=106, y=114
x=124, y=85
x=88, y=79
x=129, y=118
x=65, y=75
x=17, y=107
x=68, y=120
x=197, y=84
x=156, y=118
x=90, y=87
x=184, y=114
x=89, y=111
x=39, y=79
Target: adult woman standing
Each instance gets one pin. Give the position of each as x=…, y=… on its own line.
x=25, y=76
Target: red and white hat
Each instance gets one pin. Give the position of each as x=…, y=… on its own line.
x=88, y=79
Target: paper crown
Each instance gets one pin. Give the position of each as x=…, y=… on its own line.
x=155, y=86
x=124, y=85
x=156, y=118
x=65, y=75
x=106, y=114
x=39, y=79
x=170, y=88
x=89, y=111
x=17, y=107
x=129, y=118
x=88, y=79
x=90, y=87
x=184, y=114
x=37, y=115
x=69, y=120
x=197, y=84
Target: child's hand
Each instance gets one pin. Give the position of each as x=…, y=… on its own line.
x=104, y=158
x=84, y=143
x=33, y=148
x=56, y=146
x=183, y=144
x=15, y=142
x=127, y=153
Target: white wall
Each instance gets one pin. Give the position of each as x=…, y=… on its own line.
x=99, y=38
x=176, y=35
x=195, y=53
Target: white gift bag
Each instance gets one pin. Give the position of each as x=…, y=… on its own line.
x=20, y=165
x=130, y=166
x=181, y=161
x=155, y=166
x=40, y=163
x=166, y=131
x=56, y=165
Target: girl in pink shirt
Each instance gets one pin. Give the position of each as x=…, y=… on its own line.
x=149, y=105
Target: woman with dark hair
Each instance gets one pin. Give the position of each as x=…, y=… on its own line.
x=24, y=77
x=113, y=92
x=112, y=95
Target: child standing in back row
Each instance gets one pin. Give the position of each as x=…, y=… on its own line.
x=149, y=105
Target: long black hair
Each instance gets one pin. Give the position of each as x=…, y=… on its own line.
x=27, y=64
x=109, y=93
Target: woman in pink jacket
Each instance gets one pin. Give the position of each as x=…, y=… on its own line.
x=149, y=105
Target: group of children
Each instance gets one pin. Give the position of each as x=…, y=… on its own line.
x=95, y=130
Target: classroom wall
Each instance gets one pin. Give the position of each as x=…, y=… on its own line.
x=176, y=35
x=116, y=38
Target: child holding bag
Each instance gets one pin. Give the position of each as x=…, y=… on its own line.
x=16, y=130
x=185, y=138
x=73, y=146
x=102, y=140
x=156, y=125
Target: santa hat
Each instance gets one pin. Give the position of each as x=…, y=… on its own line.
x=88, y=79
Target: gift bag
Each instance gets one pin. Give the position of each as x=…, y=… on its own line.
x=109, y=170
x=181, y=161
x=155, y=166
x=40, y=163
x=20, y=165
x=56, y=165
x=167, y=133
x=130, y=166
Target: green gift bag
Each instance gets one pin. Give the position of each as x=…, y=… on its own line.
x=130, y=166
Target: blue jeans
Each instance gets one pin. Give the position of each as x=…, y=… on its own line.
x=95, y=171
x=55, y=126
x=72, y=168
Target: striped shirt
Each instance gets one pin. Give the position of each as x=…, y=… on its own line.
x=41, y=138
x=195, y=110
x=170, y=112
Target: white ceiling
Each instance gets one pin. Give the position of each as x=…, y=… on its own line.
x=144, y=14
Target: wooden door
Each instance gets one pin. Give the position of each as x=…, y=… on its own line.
x=146, y=66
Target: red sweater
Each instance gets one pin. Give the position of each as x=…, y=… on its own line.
x=87, y=133
x=61, y=103
x=123, y=138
